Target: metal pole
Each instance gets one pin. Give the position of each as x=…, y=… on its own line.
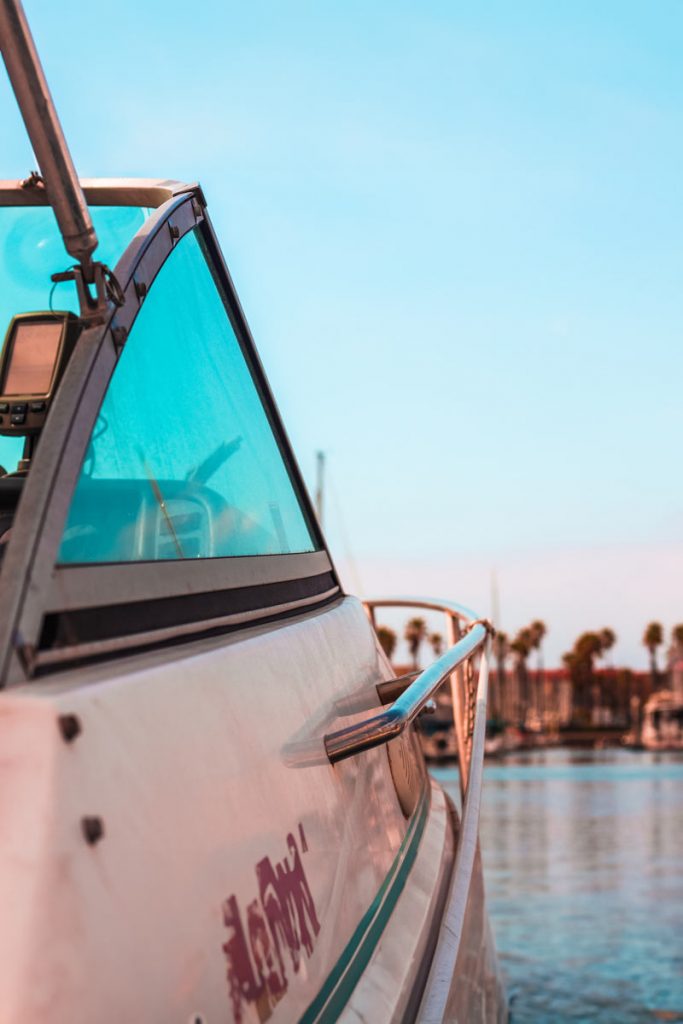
x=45, y=132
x=320, y=486
x=459, y=703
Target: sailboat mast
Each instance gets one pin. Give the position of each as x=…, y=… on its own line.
x=320, y=485
x=45, y=132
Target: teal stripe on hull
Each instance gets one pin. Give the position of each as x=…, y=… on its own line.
x=344, y=976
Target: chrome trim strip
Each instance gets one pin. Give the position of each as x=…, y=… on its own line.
x=388, y=724
x=82, y=586
x=97, y=648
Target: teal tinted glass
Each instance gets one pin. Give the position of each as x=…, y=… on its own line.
x=31, y=250
x=183, y=462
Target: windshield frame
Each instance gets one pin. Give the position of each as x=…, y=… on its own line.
x=149, y=192
x=33, y=589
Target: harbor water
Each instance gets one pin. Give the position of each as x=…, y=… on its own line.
x=583, y=858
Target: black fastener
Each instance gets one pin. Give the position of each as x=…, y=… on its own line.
x=119, y=334
x=70, y=727
x=93, y=829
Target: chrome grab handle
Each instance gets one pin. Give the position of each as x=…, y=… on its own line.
x=389, y=689
x=390, y=723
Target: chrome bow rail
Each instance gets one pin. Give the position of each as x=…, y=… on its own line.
x=468, y=640
x=468, y=635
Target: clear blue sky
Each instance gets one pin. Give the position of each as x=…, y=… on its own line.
x=456, y=231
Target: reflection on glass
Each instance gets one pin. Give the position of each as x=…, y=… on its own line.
x=183, y=462
x=31, y=250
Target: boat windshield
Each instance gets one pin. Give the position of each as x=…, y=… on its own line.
x=31, y=250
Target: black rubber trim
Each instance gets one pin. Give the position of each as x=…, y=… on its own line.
x=85, y=625
x=204, y=631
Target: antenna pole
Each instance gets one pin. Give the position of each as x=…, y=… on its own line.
x=45, y=132
x=320, y=486
x=495, y=600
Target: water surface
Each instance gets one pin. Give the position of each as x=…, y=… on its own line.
x=583, y=858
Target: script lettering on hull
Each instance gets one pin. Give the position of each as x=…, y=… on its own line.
x=279, y=926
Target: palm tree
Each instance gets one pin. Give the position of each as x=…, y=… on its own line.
x=608, y=638
x=579, y=663
x=501, y=649
x=653, y=637
x=624, y=692
x=538, y=630
x=522, y=646
x=387, y=640
x=436, y=641
x=415, y=632
x=611, y=688
x=677, y=637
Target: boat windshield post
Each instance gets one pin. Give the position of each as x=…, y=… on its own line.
x=54, y=159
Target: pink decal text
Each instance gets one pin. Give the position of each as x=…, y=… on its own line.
x=281, y=924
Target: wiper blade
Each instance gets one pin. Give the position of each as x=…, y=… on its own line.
x=156, y=491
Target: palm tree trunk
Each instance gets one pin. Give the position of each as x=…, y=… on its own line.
x=523, y=681
x=501, y=688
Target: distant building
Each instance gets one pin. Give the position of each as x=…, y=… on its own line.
x=676, y=670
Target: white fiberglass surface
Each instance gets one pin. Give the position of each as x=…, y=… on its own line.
x=183, y=462
x=31, y=250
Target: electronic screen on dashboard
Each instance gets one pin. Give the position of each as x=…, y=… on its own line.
x=36, y=349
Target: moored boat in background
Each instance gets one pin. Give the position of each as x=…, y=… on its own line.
x=662, y=727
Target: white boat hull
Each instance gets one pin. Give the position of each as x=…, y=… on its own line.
x=239, y=876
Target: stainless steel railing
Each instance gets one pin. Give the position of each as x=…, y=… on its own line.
x=469, y=639
x=435, y=998
x=467, y=636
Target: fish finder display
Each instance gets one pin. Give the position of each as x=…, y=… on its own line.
x=32, y=358
x=36, y=350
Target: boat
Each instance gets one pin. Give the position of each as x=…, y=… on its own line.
x=662, y=726
x=213, y=804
